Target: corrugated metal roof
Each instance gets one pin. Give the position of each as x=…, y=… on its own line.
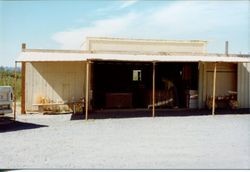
x=77, y=56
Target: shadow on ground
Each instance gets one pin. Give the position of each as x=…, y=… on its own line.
x=135, y=113
x=8, y=124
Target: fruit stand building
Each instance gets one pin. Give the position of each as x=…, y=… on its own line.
x=113, y=73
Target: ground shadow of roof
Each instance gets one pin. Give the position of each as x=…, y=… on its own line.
x=135, y=113
x=9, y=125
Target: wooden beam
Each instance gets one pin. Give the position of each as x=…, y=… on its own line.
x=214, y=88
x=23, y=110
x=90, y=84
x=153, y=91
x=14, y=97
x=87, y=91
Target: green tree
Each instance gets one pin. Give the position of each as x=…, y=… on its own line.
x=7, y=78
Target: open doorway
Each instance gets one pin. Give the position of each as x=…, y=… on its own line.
x=121, y=84
x=126, y=85
x=175, y=84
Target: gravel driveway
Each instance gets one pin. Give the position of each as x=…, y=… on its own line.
x=194, y=142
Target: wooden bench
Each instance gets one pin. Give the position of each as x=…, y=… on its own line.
x=53, y=107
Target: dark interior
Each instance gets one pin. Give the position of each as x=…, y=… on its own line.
x=129, y=85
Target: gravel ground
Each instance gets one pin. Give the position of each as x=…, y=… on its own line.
x=194, y=142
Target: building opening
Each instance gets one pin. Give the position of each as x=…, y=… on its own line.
x=177, y=85
x=124, y=85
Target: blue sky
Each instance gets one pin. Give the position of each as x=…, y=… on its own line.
x=65, y=24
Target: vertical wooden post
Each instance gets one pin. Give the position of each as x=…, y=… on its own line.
x=14, y=97
x=214, y=88
x=153, y=91
x=23, y=73
x=87, y=91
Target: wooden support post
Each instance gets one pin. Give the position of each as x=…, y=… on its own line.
x=14, y=97
x=87, y=91
x=153, y=91
x=23, y=111
x=214, y=88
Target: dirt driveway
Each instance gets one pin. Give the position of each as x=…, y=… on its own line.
x=193, y=142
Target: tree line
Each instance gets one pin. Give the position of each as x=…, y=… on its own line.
x=7, y=78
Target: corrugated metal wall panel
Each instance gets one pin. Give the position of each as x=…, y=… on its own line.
x=60, y=81
x=244, y=85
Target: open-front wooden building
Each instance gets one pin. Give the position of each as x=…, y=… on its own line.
x=113, y=73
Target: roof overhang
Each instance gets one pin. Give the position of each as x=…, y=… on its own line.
x=165, y=58
x=50, y=57
x=77, y=56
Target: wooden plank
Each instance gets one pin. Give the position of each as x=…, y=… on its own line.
x=87, y=91
x=214, y=88
x=15, y=92
x=153, y=92
x=23, y=111
x=205, y=83
x=90, y=84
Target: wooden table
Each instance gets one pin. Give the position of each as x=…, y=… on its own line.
x=42, y=105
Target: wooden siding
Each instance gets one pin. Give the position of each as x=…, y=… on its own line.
x=56, y=81
x=244, y=85
x=226, y=80
x=145, y=46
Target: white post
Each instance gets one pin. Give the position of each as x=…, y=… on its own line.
x=87, y=91
x=214, y=88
